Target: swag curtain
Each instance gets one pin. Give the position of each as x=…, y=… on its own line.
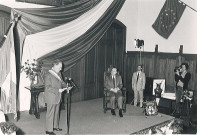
x=68, y=42
x=39, y=19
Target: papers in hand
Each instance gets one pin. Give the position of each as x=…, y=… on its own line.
x=67, y=89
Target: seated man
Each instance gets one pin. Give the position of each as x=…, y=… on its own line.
x=113, y=83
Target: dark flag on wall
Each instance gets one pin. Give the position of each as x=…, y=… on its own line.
x=168, y=17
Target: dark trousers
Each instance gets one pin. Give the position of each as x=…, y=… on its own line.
x=113, y=97
x=179, y=93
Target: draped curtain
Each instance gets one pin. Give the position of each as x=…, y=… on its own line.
x=8, y=74
x=70, y=33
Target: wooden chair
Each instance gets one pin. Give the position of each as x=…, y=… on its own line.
x=106, y=97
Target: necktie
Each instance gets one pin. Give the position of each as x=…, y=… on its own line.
x=113, y=78
x=137, y=77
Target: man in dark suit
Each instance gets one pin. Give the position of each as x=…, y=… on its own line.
x=54, y=86
x=138, y=85
x=113, y=83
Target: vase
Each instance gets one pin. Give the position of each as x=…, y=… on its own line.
x=34, y=80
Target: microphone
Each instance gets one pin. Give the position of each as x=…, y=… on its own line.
x=69, y=80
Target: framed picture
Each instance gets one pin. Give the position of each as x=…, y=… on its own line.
x=159, y=84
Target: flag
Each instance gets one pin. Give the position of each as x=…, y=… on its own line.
x=8, y=70
x=168, y=17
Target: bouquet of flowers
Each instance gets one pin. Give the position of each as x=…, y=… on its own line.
x=32, y=69
x=8, y=127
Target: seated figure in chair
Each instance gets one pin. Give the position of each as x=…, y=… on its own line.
x=113, y=83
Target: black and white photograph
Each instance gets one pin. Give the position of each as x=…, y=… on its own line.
x=98, y=67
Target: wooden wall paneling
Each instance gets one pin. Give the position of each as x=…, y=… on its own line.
x=77, y=73
x=109, y=48
x=90, y=72
x=162, y=65
x=101, y=68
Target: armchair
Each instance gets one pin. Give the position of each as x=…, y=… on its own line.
x=106, y=96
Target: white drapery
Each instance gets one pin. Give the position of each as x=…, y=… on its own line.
x=39, y=44
x=8, y=84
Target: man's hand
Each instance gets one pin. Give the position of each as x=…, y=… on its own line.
x=61, y=90
x=68, y=89
x=177, y=72
x=115, y=90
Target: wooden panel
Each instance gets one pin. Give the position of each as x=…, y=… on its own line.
x=160, y=65
x=90, y=72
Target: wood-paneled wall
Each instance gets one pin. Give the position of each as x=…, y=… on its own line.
x=160, y=65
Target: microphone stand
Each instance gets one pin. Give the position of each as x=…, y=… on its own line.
x=68, y=110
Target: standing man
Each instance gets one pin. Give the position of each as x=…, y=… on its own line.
x=113, y=83
x=182, y=78
x=138, y=85
x=54, y=86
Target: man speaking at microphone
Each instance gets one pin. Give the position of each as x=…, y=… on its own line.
x=54, y=86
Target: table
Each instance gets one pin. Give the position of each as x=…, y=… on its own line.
x=34, y=106
x=171, y=97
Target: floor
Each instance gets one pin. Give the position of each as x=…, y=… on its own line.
x=87, y=117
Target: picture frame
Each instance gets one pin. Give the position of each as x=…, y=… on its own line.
x=161, y=82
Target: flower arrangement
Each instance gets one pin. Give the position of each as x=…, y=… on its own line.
x=174, y=127
x=8, y=127
x=32, y=69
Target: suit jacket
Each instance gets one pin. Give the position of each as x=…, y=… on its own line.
x=140, y=84
x=109, y=82
x=52, y=86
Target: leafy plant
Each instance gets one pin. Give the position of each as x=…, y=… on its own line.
x=32, y=69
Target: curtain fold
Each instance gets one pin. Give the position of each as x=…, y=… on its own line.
x=8, y=74
x=39, y=19
x=78, y=48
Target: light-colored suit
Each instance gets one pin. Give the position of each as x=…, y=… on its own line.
x=52, y=98
x=118, y=84
x=138, y=86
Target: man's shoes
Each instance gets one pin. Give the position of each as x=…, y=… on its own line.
x=50, y=133
x=113, y=112
x=120, y=113
x=57, y=129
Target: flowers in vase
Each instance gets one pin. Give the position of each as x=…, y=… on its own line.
x=32, y=69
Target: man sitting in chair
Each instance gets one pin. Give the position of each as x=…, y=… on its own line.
x=113, y=83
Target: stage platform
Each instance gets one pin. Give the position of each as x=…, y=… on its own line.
x=87, y=117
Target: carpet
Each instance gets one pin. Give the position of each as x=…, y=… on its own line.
x=87, y=117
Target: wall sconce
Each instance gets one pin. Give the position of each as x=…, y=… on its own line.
x=138, y=43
